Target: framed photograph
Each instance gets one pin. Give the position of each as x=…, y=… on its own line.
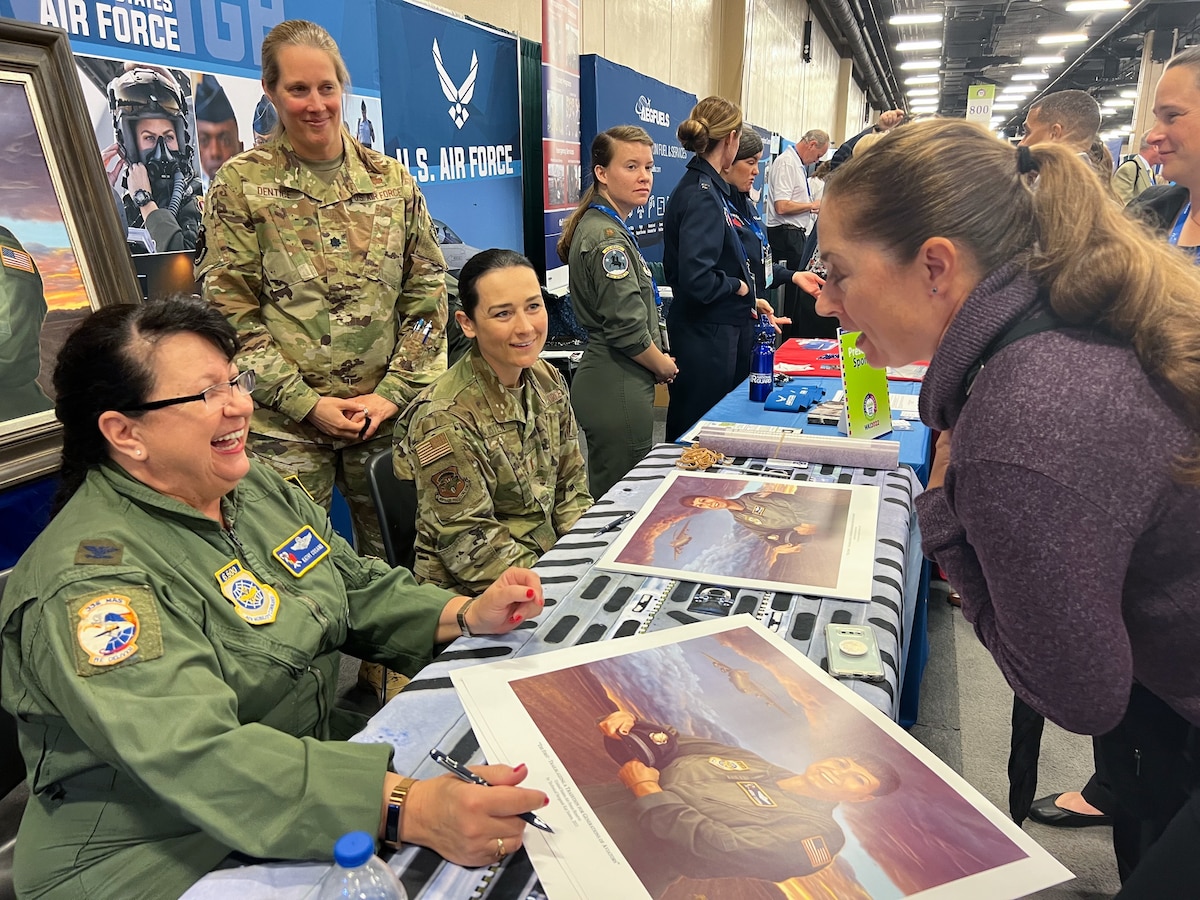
x=62, y=252
x=755, y=532
x=715, y=760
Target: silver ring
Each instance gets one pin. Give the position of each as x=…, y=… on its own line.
x=500, y=851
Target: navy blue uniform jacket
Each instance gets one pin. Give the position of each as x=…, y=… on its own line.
x=704, y=259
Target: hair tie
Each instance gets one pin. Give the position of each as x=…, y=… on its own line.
x=1025, y=161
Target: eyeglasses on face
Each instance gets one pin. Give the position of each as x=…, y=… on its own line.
x=214, y=397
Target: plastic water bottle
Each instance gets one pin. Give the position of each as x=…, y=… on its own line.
x=762, y=362
x=357, y=873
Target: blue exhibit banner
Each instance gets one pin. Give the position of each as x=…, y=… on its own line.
x=215, y=36
x=615, y=95
x=451, y=113
x=561, y=167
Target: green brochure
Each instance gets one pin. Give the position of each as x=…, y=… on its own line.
x=868, y=412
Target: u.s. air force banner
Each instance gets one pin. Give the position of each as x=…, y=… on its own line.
x=452, y=116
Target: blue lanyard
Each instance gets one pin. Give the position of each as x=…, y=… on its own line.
x=612, y=214
x=751, y=220
x=1178, y=230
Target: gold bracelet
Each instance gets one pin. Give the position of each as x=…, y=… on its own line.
x=395, y=810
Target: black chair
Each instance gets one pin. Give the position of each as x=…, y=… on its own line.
x=396, y=505
x=13, y=793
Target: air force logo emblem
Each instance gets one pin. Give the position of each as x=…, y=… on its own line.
x=302, y=551
x=461, y=95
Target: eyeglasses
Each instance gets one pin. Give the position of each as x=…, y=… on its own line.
x=214, y=397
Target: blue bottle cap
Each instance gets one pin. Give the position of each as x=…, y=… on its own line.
x=353, y=849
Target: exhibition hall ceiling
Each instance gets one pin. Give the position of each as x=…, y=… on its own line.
x=1025, y=47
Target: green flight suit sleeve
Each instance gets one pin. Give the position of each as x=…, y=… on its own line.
x=455, y=512
x=422, y=298
x=610, y=268
x=22, y=312
x=165, y=718
x=571, y=497
x=231, y=269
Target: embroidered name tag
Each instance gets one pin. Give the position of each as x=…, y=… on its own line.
x=254, y=601
x=302, y=551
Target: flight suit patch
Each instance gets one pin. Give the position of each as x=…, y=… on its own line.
x=114, y=629
x=432, y=449
x=16, y=259
x=757, y=795
x=728, y=765
x=254, y=601
x=99, y=552
x=817, y=852
x=449, y=484
x=201, y=250
x=615, y=261
x=301, y=551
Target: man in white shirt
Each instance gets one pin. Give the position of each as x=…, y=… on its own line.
x=1135, y=173
x=791, y=210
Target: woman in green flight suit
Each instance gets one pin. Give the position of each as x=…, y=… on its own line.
x=614, y=299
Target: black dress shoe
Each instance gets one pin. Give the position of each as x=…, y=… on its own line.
x=1050, y=813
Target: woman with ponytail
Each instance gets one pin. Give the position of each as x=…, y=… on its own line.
x=1064, y=501
x=616, y=300
x=712, y=317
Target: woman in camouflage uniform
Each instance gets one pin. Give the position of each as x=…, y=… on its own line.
x=493, y=445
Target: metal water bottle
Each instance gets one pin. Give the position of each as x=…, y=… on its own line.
x=762, y=362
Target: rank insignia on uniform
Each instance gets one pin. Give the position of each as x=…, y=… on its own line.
x=99, y=552
x=615, y=261
x=295, y=479
x=450, y=486
x=728, y=765
x=757, y=795
x=432, y=449
x=16, y=259
x=817, y=852
x=302, y=551
x=254, y=601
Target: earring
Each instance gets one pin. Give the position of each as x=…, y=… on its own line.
x=137, y=452
x=934, y=291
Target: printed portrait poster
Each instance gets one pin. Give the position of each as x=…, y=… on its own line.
x=754, y=532
x=716, y=761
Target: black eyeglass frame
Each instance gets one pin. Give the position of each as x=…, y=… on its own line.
x=244, y=380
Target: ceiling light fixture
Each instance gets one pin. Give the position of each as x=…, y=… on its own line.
x=1119, y=102
x=1042, y=61
x=915, y=19
x=907, y=46
x=1030, y=76
x=922, y=79
x=1076, y=38
x=922, y=64
x=1097, y=5
x=1129, y=95
x=1005, y=106
x=915, y=93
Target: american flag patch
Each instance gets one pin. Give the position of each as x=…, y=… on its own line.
x=16, y=259
x=817, y=852
x=433, y=449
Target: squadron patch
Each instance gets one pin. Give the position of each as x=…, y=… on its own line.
x=115, y=628
x=301, y=551
x=728, y=765
x=99, y=552
x=757, y=795
x=615, y=261
x=432, y=449
x=450, y=485
x=254, y=601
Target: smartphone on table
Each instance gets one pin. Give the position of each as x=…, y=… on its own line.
x=853, y=652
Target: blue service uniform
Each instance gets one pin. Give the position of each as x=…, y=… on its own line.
x=780, y=275
x=711, y=328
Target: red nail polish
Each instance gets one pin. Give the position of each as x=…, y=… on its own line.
x=515, y=619
x=519, y=768
x=546, y=803
x=529, y=593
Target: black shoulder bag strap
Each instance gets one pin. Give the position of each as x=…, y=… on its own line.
x=1042, y=320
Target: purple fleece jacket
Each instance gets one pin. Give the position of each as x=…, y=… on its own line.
x=1076, y=554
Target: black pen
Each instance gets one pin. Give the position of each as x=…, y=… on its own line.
x=615, y=524
x=467, y=775
x=366, y=424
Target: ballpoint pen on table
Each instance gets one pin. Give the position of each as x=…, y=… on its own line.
x=614, y=525
x=467, y=775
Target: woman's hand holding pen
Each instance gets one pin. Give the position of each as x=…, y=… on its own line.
x=377, y=410
x=345, y=417
x=469, y=824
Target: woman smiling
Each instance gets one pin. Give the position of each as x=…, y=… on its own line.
x=493, y=444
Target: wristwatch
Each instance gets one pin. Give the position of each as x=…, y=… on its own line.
x=395, y=810
x=141, y=197
x=461, y=616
